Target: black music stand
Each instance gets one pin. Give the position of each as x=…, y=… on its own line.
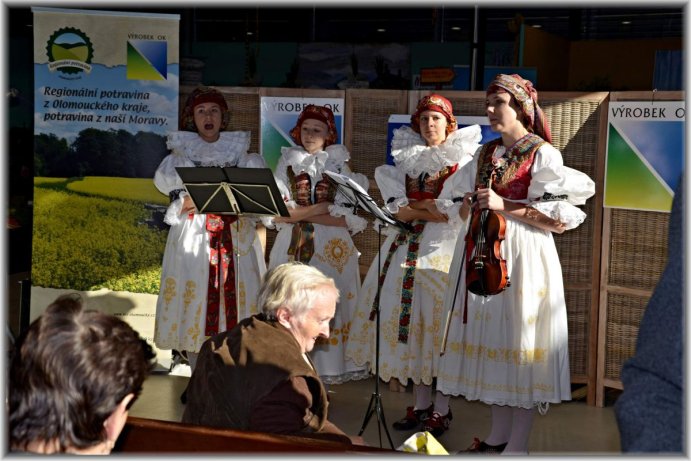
x=356, y=196
x=233, y=191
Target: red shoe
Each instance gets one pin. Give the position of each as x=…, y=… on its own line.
x=413, y=418
x=437, y=424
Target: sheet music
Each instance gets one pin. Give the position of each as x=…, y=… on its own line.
x=358, y=196
x=346, y=181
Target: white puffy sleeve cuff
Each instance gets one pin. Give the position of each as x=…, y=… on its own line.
x=570, y=215
x=167, y=181
x=354, y=222
x=268, y=221
x=555, y=189
x=172, y=215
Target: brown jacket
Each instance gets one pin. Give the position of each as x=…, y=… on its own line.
x=255, y=377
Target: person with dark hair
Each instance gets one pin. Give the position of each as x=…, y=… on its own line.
x=650, y=410
x=419, y=189
x=510, y=349
x=259, y=376
x=198, y=296
x=318, y=231
x=74, y=375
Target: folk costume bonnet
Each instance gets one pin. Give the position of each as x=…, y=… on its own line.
x=321, y=113
x=436, y=103
x=202, y=95
x=525, y=95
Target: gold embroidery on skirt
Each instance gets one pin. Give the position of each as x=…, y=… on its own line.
x=336, y=253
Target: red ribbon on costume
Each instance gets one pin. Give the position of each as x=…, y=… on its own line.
x=220, y=265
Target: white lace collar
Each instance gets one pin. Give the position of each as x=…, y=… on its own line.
x=226, y=151
x=414, y=157
x=331, y=159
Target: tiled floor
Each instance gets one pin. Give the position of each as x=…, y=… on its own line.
x=570, y=428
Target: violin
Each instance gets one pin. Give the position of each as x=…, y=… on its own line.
x=486, y=272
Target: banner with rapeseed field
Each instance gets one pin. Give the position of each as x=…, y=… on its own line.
x=106, y=95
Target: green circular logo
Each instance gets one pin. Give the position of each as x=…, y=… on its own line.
x=70, y=51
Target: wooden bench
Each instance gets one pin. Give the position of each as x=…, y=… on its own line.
x=142, y=435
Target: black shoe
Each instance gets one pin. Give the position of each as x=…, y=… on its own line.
x=482, y=447
x=413, y=418
x=437, y=424
x=178, y=358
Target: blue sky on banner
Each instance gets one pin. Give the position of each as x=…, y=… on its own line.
x=661, y=144
x=152, y=114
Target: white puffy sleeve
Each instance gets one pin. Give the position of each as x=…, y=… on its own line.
x=556, y=189
x=281, y=177
x=455, y=187
x=252, y=160
x=391, y=183
x=354, y=222
x=167, y=181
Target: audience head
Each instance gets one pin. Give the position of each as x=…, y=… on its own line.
x=315, y=128
x=73, y=376
x=524, y=98
x=206, y=113
x=302, y=299
x=426, y=109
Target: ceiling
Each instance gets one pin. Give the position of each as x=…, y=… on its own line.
x=403, y=24
x=427, y=24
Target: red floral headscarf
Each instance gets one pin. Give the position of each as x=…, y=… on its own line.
x=201, y=95
x=321, y=113
x=526, y=96
x=436, y=103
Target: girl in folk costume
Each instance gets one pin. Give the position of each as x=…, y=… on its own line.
x=510, y=350
x=199, y=297
x=319, y=228
x=419, y=189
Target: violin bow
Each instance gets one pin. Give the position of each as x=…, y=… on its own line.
x=447, y=327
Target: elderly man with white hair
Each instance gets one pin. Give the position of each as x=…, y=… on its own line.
x=258, y=375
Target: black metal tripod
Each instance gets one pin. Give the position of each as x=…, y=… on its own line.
x=375, y=403
x=357, y=197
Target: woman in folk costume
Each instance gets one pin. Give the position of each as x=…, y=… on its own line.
x=424, y=188
x=318, y=231
x=510, y=350
x=199, y=297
